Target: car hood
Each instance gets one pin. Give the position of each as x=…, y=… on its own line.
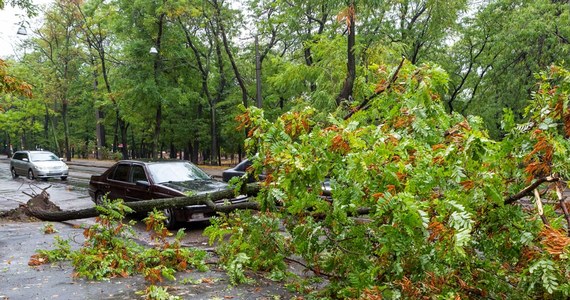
x=196, y=186
x=50, y=164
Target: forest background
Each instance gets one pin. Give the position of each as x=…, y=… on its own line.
x=433, y=121
x=97, y=89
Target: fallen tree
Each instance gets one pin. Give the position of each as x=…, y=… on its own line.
x=443, y=218
x=57, y=215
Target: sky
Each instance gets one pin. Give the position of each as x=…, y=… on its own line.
x=9, y=19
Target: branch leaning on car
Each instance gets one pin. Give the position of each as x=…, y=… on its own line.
x=148, y=205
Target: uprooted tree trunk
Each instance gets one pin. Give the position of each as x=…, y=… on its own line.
x=40, y=207
x=148, y=205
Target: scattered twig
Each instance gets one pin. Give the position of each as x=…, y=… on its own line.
x=44, y=190
x=310, y=268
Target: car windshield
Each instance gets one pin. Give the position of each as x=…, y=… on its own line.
x=43, y=156
x=176, y=171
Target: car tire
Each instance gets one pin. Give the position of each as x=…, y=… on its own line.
x=98, y=198
x=63, y=178
x=170, y=221
x=14, y=174
x=31, y=174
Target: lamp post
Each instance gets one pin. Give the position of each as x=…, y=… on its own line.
x=22, y=29
x=157, y=65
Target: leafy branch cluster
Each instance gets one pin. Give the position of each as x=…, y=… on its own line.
x=109, y=251
x=421, y=201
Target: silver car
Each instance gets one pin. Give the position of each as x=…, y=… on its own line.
x=38, y=164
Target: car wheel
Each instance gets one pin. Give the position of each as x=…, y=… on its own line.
x=63, y=178
x=170, y=221
x=14, y=174
x=30, y=174
x=98, y=198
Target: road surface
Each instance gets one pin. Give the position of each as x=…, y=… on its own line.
x=20, y=240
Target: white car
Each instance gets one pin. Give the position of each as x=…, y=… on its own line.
x=38, y=164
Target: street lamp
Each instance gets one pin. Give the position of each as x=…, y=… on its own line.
x=153, y=50
x=22, y=29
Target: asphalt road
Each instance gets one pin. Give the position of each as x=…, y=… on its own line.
x=20, y=240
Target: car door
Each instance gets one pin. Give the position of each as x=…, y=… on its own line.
x=21, y=163
x=140, y=191
x=117, y=181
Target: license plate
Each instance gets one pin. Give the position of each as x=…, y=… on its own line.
x=197, y=216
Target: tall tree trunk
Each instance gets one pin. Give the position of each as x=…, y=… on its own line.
x=156, y=135
x=124, y=140
x=173, y=153
x=157, y=65
x=195, y=151
x=348, y=86
x=99, y=115
x=65, y=129
x=55, y=139
x=188, y=150
x=118, y=126
x=226, y=43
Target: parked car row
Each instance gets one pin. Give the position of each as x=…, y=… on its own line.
x=135, y=180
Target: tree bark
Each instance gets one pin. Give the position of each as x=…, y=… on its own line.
x=528, y=190
x=226, y=43
x=348, y=86
x=148, y=205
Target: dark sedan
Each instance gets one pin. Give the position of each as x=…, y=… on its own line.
x=133, y=180
x=239, y=170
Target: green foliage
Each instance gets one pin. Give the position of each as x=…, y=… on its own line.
x=238, y=240
x=417, y=206
x=499, y=48
x=154, y=292
x=110, y=251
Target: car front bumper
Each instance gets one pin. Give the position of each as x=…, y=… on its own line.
x=51, y=173
x=198, y=213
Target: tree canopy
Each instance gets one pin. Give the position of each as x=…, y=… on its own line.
x=433, y=122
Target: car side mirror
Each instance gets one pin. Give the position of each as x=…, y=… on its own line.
x=142, y=183
x=61, y=158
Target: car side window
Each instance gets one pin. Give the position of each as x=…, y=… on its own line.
x=121, y=173
x=138, y=174
x=244, y=165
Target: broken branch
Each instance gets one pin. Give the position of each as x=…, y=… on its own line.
x=528, y=190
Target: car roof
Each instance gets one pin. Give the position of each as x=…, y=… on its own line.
x=152, y=161
x=34, y=151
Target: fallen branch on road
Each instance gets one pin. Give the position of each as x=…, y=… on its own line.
x=149, y=205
